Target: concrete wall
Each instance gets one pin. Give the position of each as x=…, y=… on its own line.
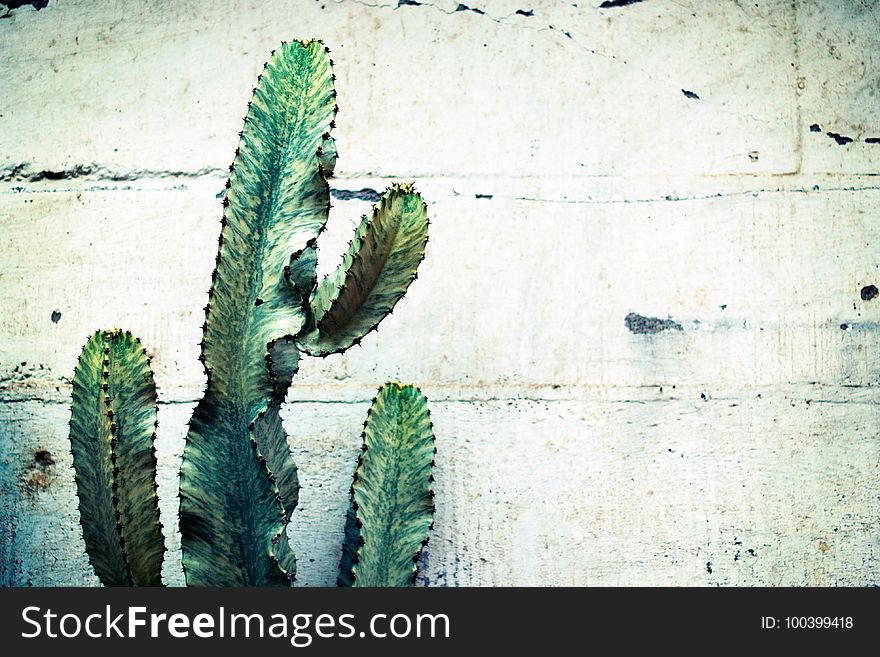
x=641, y=321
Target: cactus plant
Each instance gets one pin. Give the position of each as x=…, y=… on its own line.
x=112, y=434
x=392, y=505
x=238, y=481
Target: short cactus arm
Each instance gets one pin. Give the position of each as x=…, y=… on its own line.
x=112, y=434
x=238, y=481
x=376, y=271
x=392, y=504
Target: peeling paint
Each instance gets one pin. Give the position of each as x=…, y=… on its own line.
x=23, y=172
x=466, y=8
x=647, y=325
x=842, y=140
x=613, y=4
x=15, y=4
x=363, y=194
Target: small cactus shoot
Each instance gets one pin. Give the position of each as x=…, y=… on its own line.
x=392, y=498
x=112, y=436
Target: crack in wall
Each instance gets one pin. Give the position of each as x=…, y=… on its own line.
x=571, y=394
x=702, y=197
x=500, y=20
x=798, y=107
x=24, y=173
x=530, y=14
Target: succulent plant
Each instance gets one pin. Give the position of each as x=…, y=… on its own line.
x=392, y=497
x=238, y=481
x=266, y=308
x=112, y=435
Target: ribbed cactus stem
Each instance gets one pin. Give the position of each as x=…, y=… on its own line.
x=112, y=440
x=392, y=496
x=238, y=481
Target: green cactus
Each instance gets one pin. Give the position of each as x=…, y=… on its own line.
x=392, y=504
x=112, y=435
x=238, y=480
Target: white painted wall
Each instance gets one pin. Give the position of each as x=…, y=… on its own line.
x=571, y=182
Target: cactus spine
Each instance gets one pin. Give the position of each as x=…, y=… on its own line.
x=112, y=434
x=392, y=505
x=238, y=480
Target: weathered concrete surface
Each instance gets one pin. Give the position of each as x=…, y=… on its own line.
x=572, y=183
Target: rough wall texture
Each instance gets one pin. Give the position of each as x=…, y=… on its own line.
x=645, y=320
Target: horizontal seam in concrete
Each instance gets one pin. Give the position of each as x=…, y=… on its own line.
x=665, y=198
x=21, y=173
x=479, y=400
x=703, y=197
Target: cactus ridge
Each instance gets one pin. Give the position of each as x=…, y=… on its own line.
x=392, y=505
x=112, y=438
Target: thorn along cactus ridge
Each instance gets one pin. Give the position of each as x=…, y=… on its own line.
x=112, y=435
x=392, y=497
x=238, y=481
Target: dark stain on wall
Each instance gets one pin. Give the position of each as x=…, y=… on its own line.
x=15, y=4
x=364, y=194
x=466, y=8
x=842, y=140
x=23, y=173
x=869, y=292
x=43, y=458
x=648, y=325
x=39, y=473
x=611, y=4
